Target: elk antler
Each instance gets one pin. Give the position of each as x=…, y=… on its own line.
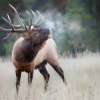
x=20, y=28
x=14, y=28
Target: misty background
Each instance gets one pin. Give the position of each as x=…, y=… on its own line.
x=74, y=24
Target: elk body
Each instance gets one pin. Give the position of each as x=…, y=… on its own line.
x=25, y=52
x=33, y=51
x=25, y=58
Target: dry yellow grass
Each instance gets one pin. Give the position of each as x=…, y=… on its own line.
x=82, y=75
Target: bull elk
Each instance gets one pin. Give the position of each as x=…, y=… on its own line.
x=33, y=51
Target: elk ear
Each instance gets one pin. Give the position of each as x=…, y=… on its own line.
x=27, y=35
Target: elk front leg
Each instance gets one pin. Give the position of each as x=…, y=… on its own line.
x=18, y=77
x=30, y=77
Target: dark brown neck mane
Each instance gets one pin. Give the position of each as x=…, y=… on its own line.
x=27, y=52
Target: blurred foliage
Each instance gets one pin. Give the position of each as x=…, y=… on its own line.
x=83, y=11
x=6, y=2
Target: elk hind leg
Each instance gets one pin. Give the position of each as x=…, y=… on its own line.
x=42, y=69
x=60, y=71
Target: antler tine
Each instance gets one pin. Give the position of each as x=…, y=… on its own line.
x=33, y=13
x=30, y=18
x=15, y=26
x=35, y=16
x=38, y=12
x=9, y=18
x=10, y=30
x=5, y=29
x=12, y=25
x=39, y=17
x=6, y=20
x=6, y=37
x=17, y=15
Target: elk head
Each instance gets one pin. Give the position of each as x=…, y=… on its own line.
x=34, y=33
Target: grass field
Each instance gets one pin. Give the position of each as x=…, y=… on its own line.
x=82, y=75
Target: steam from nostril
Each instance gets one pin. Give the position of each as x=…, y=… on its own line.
x=56, y=22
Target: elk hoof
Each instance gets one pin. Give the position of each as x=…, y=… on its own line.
x=46, y=86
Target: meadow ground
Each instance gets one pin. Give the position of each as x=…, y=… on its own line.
x=82, y=75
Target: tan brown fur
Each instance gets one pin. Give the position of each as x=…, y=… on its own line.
x=44, y=52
